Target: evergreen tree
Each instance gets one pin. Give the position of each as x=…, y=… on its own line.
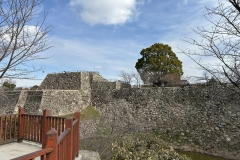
x=158, y=61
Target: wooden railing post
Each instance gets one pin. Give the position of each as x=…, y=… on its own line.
x=52, y=141
x=69, y=124
x=45, y=126
x=77, y=116
x=20, y=124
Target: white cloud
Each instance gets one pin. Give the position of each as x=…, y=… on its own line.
x=98, y=67
x=107, y=12
x=28, y=31
x=182, y=3
x=185, y=2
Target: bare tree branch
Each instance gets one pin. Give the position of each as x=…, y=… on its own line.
x=20, y=41
x=126, y=77
x=221, y=42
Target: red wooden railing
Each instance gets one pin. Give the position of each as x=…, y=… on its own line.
x=59, y=144
x=8, y=128
x=43, y=153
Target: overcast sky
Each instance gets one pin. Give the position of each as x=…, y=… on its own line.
x=108, y=35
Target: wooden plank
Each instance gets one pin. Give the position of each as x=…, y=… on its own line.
x=56, y=123
x=5, y=129
x=58, y=126
x=15, y=126
x=10, y=128
x=37, y=128
x=35, y=154
x=27, y=128
x=40, y=129
x=62, y=125
x=52, y=124
x=34, y=128
x=31, y=127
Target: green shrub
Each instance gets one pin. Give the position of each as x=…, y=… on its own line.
x=143, y=147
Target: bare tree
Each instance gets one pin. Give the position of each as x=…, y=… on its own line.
x=23, y=34
x=126, y=77
x=221, y=42
x=20, y=41
x=137, y=78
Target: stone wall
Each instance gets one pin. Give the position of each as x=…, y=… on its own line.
x=207, y=116
x=8, y=101
x=62, y=81
x=62, y=102
x=98, y=78
x=71, y=80
x=33, y=101
x=109, y=85
x=104, y=85
x=62, y=92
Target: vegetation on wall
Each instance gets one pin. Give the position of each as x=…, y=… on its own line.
x=88, y=113
x=143, y=146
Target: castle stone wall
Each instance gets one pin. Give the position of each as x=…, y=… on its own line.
x=207, y=116
x=62, y=102
x=104, y=85
x=62, y=81
x=33, y=101
x=98, y=78
x=8, y=101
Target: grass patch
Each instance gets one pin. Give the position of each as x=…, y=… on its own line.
x=103, y=129
x=88, y=113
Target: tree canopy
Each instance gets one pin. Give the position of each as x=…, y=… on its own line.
x=157, y=61
x=9, y=85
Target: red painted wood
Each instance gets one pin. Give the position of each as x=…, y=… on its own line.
x=10, y=128
x=15, y=124
x=52, y=142
x=69, y=124
x=20, y=121
x=5, y=128
x=42, y=153
x=34, y=127
x=77, y=132
x=44, y=126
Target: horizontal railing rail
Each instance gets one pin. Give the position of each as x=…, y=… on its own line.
x=43, y=154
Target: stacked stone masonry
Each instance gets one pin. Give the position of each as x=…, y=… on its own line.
x=205, y=115
x=208, y=116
